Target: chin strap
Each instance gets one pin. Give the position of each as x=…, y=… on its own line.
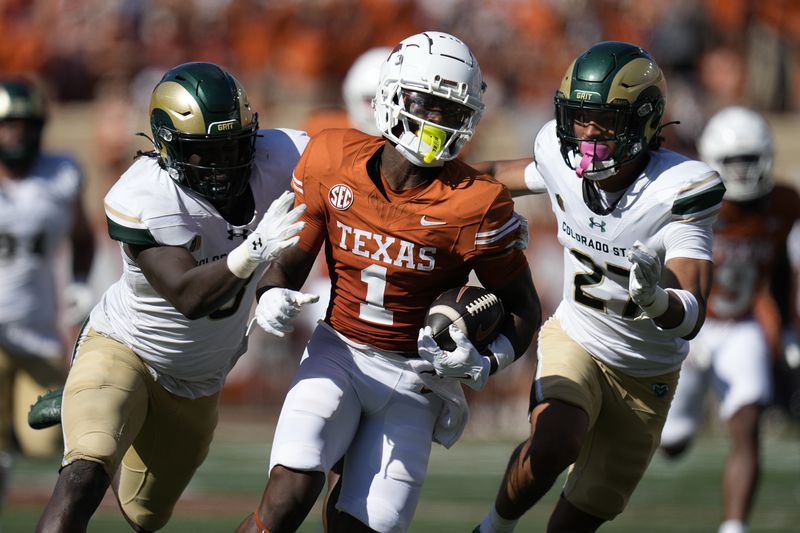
x=591, y=196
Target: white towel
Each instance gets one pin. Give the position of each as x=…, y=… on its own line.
x=455, y=412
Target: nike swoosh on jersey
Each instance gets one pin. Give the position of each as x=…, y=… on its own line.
x=428, y=222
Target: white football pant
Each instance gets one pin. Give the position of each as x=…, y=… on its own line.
x=367, y=405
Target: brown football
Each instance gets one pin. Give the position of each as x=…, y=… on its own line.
x=474, y=310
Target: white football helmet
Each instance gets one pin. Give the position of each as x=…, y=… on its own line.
x=429, y=70
x=359, y=88
x=737, y=143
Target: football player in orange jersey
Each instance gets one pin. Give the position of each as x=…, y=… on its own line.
x=401, y=220
x=732, y=351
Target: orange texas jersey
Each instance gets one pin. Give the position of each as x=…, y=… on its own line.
x=748, y=237
x=391, y=253
x=787, y=204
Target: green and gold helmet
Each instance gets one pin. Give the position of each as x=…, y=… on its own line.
x=21, y=101
x=204, y=130
x=622, y=82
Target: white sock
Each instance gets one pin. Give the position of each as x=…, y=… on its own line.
x=732, y=526
x=494, y=523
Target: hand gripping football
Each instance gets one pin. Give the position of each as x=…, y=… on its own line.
x=474, y=310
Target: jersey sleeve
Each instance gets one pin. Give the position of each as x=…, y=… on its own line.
x=307, y=190
x=493, y=252
x=687, y=240
x=695, y=207
x=143, y=212
x=64, y=177
x=279, y=149
x=699, y=201
x=534, y=180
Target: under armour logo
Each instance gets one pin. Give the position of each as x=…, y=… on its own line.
x=257, y=244
x=601, y=224
x=237, y=232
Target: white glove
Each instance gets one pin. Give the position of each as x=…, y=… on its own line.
x=464, y=363
x=643, y=281
x=277, y=307
x=78, y=301
x=521, y=242
x=276, y=231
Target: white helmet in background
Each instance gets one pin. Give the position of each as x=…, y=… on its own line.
x=737, y=143
x=429, y=70
x=359, y=88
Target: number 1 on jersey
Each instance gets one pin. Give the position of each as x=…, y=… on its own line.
x=373, y=311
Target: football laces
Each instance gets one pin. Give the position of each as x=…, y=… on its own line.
x=482, y=303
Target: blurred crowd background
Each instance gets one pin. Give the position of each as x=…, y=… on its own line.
x=99, y=60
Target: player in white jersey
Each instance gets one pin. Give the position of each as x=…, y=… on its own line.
x=198, y=222
x=635, y=224
x=40, y=210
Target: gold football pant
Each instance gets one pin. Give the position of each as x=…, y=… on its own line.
x=22, y=379
x=116, y=414
x=626, y=415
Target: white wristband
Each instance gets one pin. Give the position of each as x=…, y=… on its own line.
x=503, y=351
x=659, y=305
x=240, y=263
x=691, y=312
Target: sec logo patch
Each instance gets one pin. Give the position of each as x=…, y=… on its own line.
x=341, y=197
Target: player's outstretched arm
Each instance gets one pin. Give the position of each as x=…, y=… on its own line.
x=680, y=305
x=195, y=291
x=78, y=297
x=509, y=172
x=278, y=297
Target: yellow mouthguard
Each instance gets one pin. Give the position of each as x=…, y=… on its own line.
x=435, y=138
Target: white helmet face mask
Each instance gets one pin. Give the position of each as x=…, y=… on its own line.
x=359, y=88
x=737, y=143
x=427, y=74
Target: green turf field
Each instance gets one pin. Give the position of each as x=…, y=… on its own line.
x=673, y=497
